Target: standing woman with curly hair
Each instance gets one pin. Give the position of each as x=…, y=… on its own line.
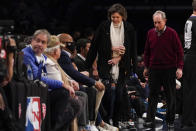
x=114, y=44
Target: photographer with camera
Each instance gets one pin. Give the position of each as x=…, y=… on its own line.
x=7, y=49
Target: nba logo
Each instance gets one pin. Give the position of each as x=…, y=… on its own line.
x=33, y=114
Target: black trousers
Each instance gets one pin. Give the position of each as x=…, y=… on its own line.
x=189, y=90
x=138, y=105
x=91, y=93
x=83, y=115
x=108, y=100
x=157, y=79
x=63, y=109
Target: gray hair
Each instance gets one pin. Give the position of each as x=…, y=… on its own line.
x=42, y=31
x=159, y=12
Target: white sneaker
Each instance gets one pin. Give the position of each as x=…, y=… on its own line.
x=101, y=128
x=144, y=115
x=111, y=122
x=93, y=128
x=109, y=127
x=158, y=119
x=159, y=105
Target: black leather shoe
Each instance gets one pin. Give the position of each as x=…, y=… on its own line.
x=187, y=125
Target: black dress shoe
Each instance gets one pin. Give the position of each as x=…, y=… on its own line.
x=187, y=124
x=149, y=125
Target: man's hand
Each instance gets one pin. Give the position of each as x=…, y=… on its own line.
x=179, y=73
x=95, y=74
x=99, y=85
x=12, y=42
x=145, y=73
x=75, y=85
x=70, y=89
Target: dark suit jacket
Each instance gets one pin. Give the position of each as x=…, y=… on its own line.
x=66, y=64
x=80, y=63
x=101, y=45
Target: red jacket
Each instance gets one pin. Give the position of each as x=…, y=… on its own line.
x=164, y=51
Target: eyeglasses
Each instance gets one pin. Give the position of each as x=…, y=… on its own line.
x=39, y=40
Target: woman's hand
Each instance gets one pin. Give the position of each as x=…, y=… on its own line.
x=122, y=50
x=114, y=60
x=119, y=49
x=2, y=104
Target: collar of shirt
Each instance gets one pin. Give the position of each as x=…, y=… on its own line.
x=40, y=59
x=69, y=54
x=50, y=62
x=82, y=57
x=161, y=31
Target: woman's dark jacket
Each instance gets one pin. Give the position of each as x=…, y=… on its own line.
x=101, y=45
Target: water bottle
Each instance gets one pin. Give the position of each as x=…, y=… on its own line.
x=88, y=128
x=29, y=73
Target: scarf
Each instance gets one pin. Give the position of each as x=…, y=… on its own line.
x=117, y=39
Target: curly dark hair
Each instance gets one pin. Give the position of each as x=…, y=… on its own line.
x=117, y=8
x=81, y=43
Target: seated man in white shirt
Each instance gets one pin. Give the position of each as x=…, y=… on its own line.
x=54, y=71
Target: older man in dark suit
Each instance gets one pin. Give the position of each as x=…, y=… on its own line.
x=65, y=62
